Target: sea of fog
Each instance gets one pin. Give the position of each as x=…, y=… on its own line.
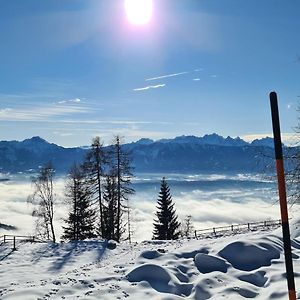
x=211, y=199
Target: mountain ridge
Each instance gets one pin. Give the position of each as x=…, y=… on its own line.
x=210, y=153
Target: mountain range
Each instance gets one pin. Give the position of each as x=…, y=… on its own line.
x=210, y=153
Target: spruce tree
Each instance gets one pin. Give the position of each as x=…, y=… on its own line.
x=166, y=225
x=80, y=222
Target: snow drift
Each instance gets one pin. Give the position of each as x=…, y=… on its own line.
x=236, y=267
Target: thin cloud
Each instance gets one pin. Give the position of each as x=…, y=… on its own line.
x=76, y=100
x=40, y=113
x=166, y=76
x=173, y=74
x=196, y=79
x=150, y=87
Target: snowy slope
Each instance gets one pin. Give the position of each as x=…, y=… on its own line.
x=236, y=267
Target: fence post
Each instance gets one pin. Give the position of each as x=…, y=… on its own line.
x=196, y=235
x=4, y=238
x=14, y=246
x=248, y=226
x=214, y=229
x=231, y=227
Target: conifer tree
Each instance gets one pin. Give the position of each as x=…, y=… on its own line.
x=110, y=205
x=80, y=222
x=166, y=225
x=94, y=166
x=121, y=170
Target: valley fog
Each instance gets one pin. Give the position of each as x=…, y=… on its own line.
x=211, y=200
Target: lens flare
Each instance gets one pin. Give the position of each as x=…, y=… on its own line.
x=139, y=12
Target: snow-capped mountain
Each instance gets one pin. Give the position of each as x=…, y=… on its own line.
x=208, y=139
x=266, y=142
x=210, y=153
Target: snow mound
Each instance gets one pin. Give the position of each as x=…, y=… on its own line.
x=160, y=279
x=150, y=254
x=207, y=263
x=192, y=254
x=111, y=245
x=248, y=256
x=258, y=278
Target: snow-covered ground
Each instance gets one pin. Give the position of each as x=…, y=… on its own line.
x=250, y=265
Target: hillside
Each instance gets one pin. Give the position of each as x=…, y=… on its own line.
x=210, y=153
x=236, y=267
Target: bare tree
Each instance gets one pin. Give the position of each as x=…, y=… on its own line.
x=43, y=200
x=292, y=167
x=187, y=226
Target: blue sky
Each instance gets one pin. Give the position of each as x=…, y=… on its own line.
x=74, y=69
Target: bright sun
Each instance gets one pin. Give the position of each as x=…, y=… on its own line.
x=138, y=12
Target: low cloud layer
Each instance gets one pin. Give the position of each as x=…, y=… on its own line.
x=208, y=208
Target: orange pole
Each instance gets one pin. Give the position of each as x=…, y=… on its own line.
x=282, y=197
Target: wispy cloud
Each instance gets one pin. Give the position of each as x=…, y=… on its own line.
x=166, y=76
x=40, y=112
x=173, y=74
x=76, y=100
x=150, y=87
x=196, y=79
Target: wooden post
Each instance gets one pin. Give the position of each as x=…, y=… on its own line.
x=282, y=197
x=248, y=226
x=214, y=230
x=4, y=238
x=231, y=227
x=14, y=246
x=196, y=235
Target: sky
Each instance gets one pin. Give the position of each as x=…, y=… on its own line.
x=74, y=69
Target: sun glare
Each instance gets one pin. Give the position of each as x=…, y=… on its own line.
x=139, y=12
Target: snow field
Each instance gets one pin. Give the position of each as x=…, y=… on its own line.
x=236, y=267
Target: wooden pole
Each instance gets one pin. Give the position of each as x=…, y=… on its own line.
x=282, y=197
x=14, y=247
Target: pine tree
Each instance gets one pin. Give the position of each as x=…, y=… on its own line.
x=166, y=225
x=94, y=165
x=80, y=222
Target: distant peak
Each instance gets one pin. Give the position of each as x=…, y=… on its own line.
x=145, y=141
x=36, y=139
